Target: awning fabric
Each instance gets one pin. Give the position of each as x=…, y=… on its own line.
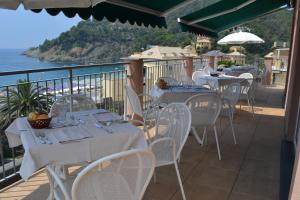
x=147, y=12
x=226, y=14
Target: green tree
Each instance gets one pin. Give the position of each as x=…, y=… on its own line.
x=22, y=100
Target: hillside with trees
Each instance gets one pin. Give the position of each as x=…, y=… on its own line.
x=100, y=42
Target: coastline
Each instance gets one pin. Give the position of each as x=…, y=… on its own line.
x=15, y=60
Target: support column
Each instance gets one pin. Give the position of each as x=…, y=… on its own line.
x=135, y=79
x=189, y=66
x=268, y=74
x=289, y=63
x=293, y=92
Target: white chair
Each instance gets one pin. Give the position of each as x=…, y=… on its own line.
x=172, y=129
x=248, y=90
x=207, y=70
x=121, y=176
x=169, y=80
x=135, y=103
x=197, y=78
x=230, y=97
x=72, y=103
x=205, y=109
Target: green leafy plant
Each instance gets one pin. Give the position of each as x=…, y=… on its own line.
x=21, y=100
x=226, y=63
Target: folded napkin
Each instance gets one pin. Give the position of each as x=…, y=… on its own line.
x=188, y=89
x=61, y=135
x=156, y=92
x=105, y=117
x=86, y=112
x=23, y=124
x=227, y=76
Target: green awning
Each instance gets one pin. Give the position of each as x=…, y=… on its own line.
x=144, y=12
x=226, y=14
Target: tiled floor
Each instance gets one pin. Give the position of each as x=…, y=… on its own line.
x=248, y=170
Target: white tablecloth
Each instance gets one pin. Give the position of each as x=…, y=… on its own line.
x=176, y=93
x=99, y=143
x=217, y=81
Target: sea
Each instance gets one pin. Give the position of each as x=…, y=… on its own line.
x=14, y=60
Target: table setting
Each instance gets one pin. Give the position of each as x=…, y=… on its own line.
x=218, y=79
x=175, y=93
x=77, y=137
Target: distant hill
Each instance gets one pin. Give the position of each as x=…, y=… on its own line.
x=100, y=42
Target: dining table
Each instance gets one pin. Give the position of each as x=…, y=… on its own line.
x=218, y=81
x=85, y=136
x=176, y=93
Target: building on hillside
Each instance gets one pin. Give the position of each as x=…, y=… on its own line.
x=213, y=57
x=168, y=64
x=164, y=53
x=279, y=44
x=276, y=63
x=237, y=49
x=237, y=57
x=203, y=43
x=191, y=49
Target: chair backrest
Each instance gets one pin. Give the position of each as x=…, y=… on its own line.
x=207, y=70
x=205, y=108
x=197, y=77
x=174, y=122
x=121, y=176
x=72, y=103
x=252, y=89
x=169, y=80
x=254, y=72
x=232, y=93
x=134, y=101
x=248, y=77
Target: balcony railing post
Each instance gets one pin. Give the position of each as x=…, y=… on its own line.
x=189, y=66
x=27, y=77
x=135, y=80
x=71, y=88
x=71, y=81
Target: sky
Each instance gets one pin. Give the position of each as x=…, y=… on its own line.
x=21, y=29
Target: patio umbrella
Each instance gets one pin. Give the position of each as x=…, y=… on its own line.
x=134, y=11
x=241, y=38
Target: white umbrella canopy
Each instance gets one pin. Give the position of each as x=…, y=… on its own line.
x=241, y=38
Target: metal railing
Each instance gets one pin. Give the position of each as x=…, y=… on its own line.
x=103, y=83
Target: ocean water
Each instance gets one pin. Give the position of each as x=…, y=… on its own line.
x=13, y=60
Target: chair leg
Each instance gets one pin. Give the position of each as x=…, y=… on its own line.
x=179, y=180
x=197, y=136
x=253, y=114
x=220, y=125
x=251, y=106
x=204, y=137
x=51, y=185
x=154, y=176
x=217, y=142
x=232, y=128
